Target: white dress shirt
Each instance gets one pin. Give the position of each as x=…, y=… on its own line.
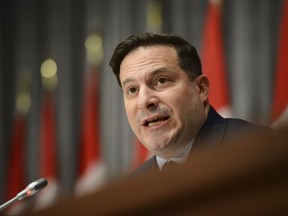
x=179, y=158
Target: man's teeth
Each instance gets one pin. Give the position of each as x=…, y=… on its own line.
x=150, y=124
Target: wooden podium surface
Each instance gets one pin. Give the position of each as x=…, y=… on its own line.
x=248, y=177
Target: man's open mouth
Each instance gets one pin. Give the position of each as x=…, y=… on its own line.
x=155, y=121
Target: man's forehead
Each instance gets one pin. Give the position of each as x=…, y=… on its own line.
x=155, y=52
x=149, y=54
x=153, y=47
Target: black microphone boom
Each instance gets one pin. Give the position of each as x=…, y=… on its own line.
x=30, y=190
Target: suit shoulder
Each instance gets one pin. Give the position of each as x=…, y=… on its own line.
x=242, y=124
x=241, y=127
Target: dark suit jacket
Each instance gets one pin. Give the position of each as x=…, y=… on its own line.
x=215, y=132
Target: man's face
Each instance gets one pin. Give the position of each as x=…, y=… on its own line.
x=164, y=108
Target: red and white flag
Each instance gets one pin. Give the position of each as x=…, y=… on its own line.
x=280, y=99
x=92, y=170
x=213, y=59
x=48, y=151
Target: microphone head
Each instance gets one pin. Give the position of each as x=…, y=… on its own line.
x=40, y=184
x=32, y=188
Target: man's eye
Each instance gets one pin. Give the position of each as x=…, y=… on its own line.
x=132, y=90
x=161, y=81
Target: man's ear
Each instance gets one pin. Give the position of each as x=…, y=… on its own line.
x=203, y=84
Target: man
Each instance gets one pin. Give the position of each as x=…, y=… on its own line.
x=166, y=98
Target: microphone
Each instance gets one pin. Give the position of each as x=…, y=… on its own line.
x=30, y=190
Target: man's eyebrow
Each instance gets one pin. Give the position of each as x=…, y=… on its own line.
x=159, y=70
x=127, y=81
x=153, y=73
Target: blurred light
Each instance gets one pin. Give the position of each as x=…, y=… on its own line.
x=49, y=74
x=94, y=49
x=48, y=68
x=23, y=102
x=93, y=42
x=23, y=97
x=154, y=17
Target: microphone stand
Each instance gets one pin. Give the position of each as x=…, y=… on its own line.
x=8, y=203
x=30, y=190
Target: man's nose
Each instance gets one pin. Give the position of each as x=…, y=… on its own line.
x=147, y=100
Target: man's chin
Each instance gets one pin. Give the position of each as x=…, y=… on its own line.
x=157, y=148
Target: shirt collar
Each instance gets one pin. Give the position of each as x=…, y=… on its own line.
x=180, y=157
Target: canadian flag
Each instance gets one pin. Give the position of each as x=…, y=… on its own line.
x=280, y=99
x=92, y=169
x=213, y=59
x=48, y=151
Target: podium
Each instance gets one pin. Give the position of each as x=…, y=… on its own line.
x=248, y=177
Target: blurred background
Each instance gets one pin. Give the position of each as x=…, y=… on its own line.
x=61, y=109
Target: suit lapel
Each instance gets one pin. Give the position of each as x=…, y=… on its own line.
x=149, y=165
x=212, y=132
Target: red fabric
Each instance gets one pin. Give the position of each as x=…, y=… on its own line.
x=141, y=154
x=281, y=81
x=213, y=57
x=16, y=175
x=47, y=137
x=90, y=140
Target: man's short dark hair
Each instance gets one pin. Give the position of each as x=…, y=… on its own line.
x=188, y=57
